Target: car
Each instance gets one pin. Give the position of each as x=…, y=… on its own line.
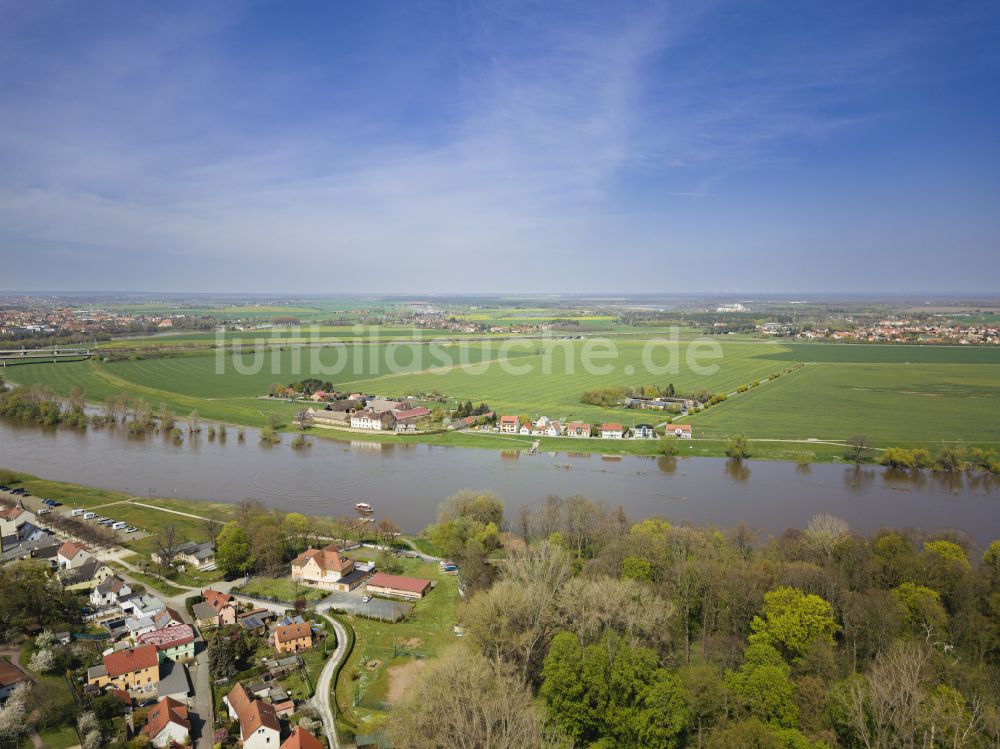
x=77, y=512
x=89, y=515
x=119, y=525
x=366, y=599
x=54, y=503
x=130, y=529
x=44, y=511
x=4, y=488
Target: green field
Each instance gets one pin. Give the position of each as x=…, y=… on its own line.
x=895, y=394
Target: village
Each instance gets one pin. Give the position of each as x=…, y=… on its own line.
x=170, y=664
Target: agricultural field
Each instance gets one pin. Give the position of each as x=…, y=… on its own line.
x=894, y=394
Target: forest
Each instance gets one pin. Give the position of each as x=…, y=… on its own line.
x=586, y=629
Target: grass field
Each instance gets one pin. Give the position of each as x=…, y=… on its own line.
x=895, y=394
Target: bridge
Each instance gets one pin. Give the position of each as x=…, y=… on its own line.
x=26, y=356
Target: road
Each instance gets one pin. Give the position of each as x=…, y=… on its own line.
x=321, y=699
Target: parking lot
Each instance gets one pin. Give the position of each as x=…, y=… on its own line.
x=353, y=603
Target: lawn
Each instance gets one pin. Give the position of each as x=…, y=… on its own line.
x=282, y=588
x=59, y=738
x=427, y=629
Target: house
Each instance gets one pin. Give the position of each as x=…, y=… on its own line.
x=302, y=739
x=217, y=610
x=370, y=419
x=463, y=423
x=109, y=592
x=326, y=568
x=292, y=638
x=406, y=420
x=167, y=618
x=12, y=518
x=167, y=723
x=140, y=626
x=30, y=543
x=525, y=428
x=578, y=429
x=611, y=431
x=175, y=681
x=320, y=395
x=201, y=556
x=172, y=643
x=133, y=669
x=643, y=431
x=72, y=554
x=553, y=429
x=87, y=576
x=681, y=431
x=396, y=586
x=10, y=676
x=259, y=726
x=509, y=424
x=383, y=405
x=140, y=606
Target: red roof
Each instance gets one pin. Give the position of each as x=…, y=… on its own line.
x=132, y=659
x=682, y=427
x=574, y=425
x=215, y=599
x=239, y=698
x=258, y=714
x=413, y=413
x=170, y=637
x=167, y=710
x=10, y=674
x=70, y=549
x=302, y=739
x=290, y=632
x=11, y=512
x=328, y=558
x=611, y=427
x=397, y=582
x=508, y=419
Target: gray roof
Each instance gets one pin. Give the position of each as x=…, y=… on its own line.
x=96, y=671
x=173, y=679
x=204, y=610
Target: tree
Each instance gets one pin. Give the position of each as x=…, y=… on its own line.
x=14, y=712
x=302, y=419
x=232, y=549
x=268, y=549
x=825, y=533
x=922, y=608
x=222, y=655
x=462, y=700
x=193, y=422
x=793, y=621
x=667, y=446
x=483, y=506
x=42, y=661
x=764, y=686
x=167, y=543
x=637, y=568
x=738, y=448
x=859, y=449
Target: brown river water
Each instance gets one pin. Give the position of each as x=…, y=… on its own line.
x=406, y=482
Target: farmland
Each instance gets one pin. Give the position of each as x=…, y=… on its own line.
x=897, y=395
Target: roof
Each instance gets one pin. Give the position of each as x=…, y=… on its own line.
x=292, y=632
x=70, y=549
x=12, y=512
x=204, y=610
x=682, y=427
x=215, y=599
x=174, y=680
x=328, y=558
x=508, y=420
x=170, y=637
x=302, y=739
x=239, y=698
x=131, y=659
x=10, y=674
x=611, y=427
x=578, y=425
x=412, y=413
x=398, y=582
x=166, y=711
x=258, y=715
x=165, y=616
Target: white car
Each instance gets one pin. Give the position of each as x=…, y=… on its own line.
x=77, y=512
x=89, y=515
x=119, y=525
x=366, y=599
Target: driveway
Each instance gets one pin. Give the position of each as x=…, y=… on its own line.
x=352, y=603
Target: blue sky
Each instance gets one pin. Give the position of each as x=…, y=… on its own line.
x=500, y=146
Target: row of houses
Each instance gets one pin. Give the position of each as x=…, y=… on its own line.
x=377, y=415
x=544, y=427
x=260, y=725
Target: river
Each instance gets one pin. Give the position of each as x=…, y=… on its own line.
x=406, y=482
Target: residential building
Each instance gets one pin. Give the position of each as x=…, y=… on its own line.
x=328, y=418
x=302, y=739
x=133, y=669
x=397, y=586
x=10, y=676
x=681, y=431
x=611, y=431
x=259, y=725
x=406, y=420
x=139, y=626
x=577, y=429
x=172, y=643
x=140, y=606
x=217, y=610
x=12, y=518
x=375, y=420
x=509, y=424
x=643, y=431
x=383, y=405
x=292, y=638
x=167, y=618
x=175, y=682
x=553, y=429
x=201, y=556
x=238, y=700
x=327, y=568
x=109, y=592
x=72, y=554
x=167, y=723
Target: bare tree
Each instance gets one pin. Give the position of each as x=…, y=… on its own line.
x=859, y=449
x=167, y=541
x=825, y=533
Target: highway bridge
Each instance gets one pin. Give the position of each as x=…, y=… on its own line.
x=28, y=356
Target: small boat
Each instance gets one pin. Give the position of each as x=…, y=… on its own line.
x=363, y=507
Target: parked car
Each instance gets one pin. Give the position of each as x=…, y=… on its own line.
x=366, y=599
x=77, y=512
x=119, y=525
x=44, y=511
x=55, y=503
x=89, y=515
x=130, y=529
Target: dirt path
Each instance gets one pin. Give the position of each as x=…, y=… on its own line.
x=400, y=678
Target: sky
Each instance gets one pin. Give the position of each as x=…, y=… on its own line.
x=445, y=147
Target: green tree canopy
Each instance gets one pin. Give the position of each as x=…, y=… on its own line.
x=793, y=621
x=232, y=549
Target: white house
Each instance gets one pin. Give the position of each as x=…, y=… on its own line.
x=326, y=568
x=578, y=429
x=612, y=431
x=167, y=723
x=12, y=518
x=681, y=431
x=553, y=429
x=109, y=591
x=71, y=555
x=369, y=419
x=643, y=431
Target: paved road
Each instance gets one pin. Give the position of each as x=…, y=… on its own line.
x=201, y=704
x=321, y=699
x=352, y=603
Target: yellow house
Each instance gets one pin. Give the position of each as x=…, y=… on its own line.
x=133, y=669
